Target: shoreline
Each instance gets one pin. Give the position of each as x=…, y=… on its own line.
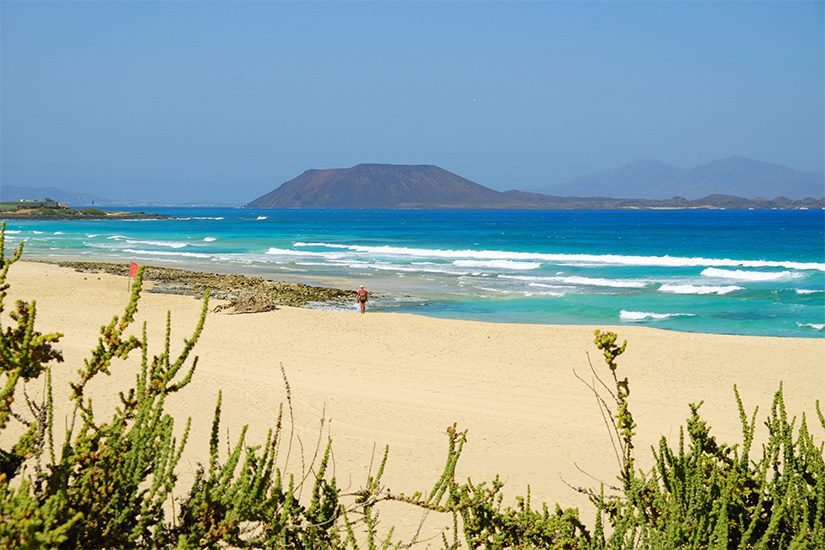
x=246, y=293
x=399, y=380
x=696, y=285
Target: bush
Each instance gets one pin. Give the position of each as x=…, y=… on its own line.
x=97, y=212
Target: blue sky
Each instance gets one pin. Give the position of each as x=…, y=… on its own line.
x=224, y=101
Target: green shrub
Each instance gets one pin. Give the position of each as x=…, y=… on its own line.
x=710, y=494
x=93, y=212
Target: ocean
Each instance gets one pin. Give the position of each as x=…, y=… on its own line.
x=717, y=271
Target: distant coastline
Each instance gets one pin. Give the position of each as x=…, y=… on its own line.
x=420, y=187
x=62, y=212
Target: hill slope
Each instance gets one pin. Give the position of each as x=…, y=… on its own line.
x=737, y=176
x=380, y=186
x=387, y=186
x=642, y=179
x=746, y=177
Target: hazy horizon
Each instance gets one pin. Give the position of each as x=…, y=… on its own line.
x=223, y=102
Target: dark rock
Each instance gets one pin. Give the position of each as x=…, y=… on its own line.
x=244, y=294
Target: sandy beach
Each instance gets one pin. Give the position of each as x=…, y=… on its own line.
x=400, y=380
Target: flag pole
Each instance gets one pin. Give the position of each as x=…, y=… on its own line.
x=133, y=270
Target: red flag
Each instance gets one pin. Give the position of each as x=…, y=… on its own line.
x=133, y=269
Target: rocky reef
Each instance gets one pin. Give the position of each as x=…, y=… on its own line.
x=243, y=294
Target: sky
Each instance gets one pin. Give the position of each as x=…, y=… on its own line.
x=224, y=101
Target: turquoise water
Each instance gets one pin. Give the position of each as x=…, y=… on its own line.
x=737, y=272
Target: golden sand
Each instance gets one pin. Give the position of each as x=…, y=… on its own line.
x=398, y=379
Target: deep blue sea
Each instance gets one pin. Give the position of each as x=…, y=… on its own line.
x=720, y=271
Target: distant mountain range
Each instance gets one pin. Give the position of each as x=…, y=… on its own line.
x=734, y=182
x=426, y=186
x=739, y=176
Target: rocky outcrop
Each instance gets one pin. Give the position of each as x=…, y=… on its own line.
x=243, y=294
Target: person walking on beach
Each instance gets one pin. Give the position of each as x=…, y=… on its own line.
x=361, y=297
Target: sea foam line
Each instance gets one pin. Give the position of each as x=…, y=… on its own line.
x=633, y=316
x=166, y=253
x=498, y=264
x=272, y=251
x=578, y=280
x=816, y=326
x=606, y=259
x=698, y=289
x=739, y=275
x=169, y=244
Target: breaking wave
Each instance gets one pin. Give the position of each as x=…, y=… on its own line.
x=739, y=275
x=272, y=251
x=585, y=281
x=169, y=244
x=585, y=259
x=497, y=264
x=166, y=253
x=632, y=316
x=697, y=289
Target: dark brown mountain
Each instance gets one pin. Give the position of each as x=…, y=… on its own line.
x=424, y=186
x=381, y=186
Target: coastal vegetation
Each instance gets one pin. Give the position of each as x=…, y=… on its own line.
x=52, y=210
x=111, y=480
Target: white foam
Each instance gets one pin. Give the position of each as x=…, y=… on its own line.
x=91, y=235
x=488, y=289
x=808, y=291
x=261, y=218
x=740, y=275
x=322, y=245
x=633, y=316
x=272, y=251
x=403, y=268
x=585, y=281
x=497, y=264
x=12, y=231
x=552, y=293
x=816, y=326
x=169, y=244
x=166, y=253
x=697, y=289
x=542, y=285
x=58, y=233
x=37, y=232
x=210, y=239
x=584, y=259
